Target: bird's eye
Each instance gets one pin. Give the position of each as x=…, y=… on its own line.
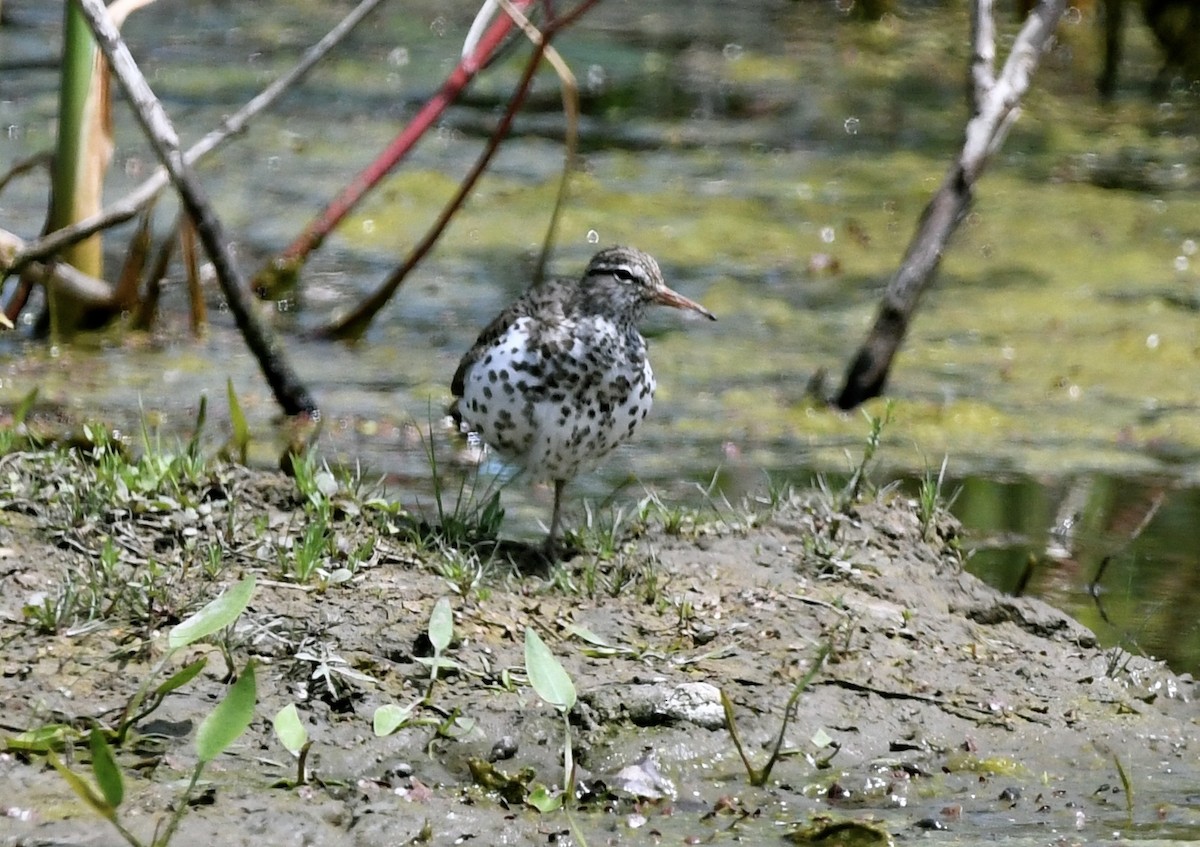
x=624, y=274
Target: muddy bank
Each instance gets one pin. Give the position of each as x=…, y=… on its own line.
x=941, y=706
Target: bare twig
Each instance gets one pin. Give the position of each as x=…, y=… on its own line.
x=983, y=53
x=996, y=106
x=290, y=393
x=38, y=160
x=570, y=100
x=355, y=323
x=136, y=200
x=285, y=266
x=86, y=289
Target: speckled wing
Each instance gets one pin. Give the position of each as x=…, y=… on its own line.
x=519, y=308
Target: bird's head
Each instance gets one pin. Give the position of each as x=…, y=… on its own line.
x=625, y=281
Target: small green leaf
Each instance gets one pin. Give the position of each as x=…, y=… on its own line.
x=568, y=759
x=217, y=615
x=441, y=625
x=51, y=736
x=546, y=675
x=193, y=448
x=289, y=730
x=597, y=647
x=181, y=677
x=230, y=719
x=821, y=738
x=544, y=800
x=237, y=418
x=439, y=663
x=391, y=717
x=582, y=632
x=105, y=769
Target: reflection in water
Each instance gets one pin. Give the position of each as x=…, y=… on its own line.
x=1120, y=555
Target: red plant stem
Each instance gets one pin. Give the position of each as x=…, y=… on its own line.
x=355, y=323
x=366, y=179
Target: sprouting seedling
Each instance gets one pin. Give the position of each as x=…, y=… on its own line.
x=217, y=731
x=854, y=488
x=441, y=633
x=214, y=617
x=293, y=735
x=759, y=776
x=239, y=440
x=552, y=684
x=389, y=717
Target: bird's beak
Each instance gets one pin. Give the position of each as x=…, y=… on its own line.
x=668, y=297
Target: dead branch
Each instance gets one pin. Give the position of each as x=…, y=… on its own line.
x=995, y=106
x=88, y=290
x=290, y=393
x=283, y=269
x=130, y=205
x=355, y=323
x=570, y=102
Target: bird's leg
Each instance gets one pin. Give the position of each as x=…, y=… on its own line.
x=551, y=547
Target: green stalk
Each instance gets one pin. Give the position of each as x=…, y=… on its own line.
x=75, y=156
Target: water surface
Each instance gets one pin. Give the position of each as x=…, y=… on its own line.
x=775, y=160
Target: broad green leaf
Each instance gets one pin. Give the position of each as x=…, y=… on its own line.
x=391, y=717
x=181, y=677
x=544, y=800
x=230, y=719
x=289, y=729
x=546, y=675
x=214, y=617
x=105, y=769
x=441, y=625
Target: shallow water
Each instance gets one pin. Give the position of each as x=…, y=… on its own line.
x=775, y=161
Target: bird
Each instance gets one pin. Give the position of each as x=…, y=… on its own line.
x=561, y=376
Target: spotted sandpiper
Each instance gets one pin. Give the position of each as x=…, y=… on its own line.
x=561, y=376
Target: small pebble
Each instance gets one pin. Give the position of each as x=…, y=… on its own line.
x=503, y=749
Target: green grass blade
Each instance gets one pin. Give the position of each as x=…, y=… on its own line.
x=237, y=418
x=82, y=789
x=193, y=447
x=24, y=408
x=181, y=677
